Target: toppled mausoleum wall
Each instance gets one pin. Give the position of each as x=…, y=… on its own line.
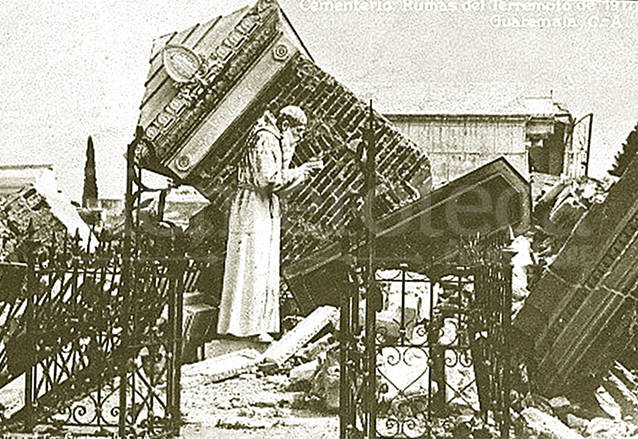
x=207, y=86
x=37, y=216
x=578, y=316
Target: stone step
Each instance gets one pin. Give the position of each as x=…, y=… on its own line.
x=193, y=298
x=199, y=320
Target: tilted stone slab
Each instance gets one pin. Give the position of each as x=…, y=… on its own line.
x=294, y=340
x=577, y=317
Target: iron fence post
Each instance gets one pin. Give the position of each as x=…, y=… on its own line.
x=127, y=279
x=370, y=334
x=29, y=378
x=175, y=323
x=344, y=347
x=507, y=356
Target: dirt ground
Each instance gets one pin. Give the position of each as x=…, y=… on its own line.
x=249, y=406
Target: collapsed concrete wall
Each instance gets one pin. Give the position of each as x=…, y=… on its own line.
x=578, y=316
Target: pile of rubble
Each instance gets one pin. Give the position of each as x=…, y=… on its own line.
x=557, y=211
x=307, y=353
x=302, y=371
x=611, y=411
x=38, y=216
x=575, y=319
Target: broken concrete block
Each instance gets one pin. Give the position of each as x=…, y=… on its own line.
x=304, y=372
x=325, y=383
x=559, y=402
x=294, y=340
x=606, y=428
x=229, y=365
x=545, y=426
x=576, y=422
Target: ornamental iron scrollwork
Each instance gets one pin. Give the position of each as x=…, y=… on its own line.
x=437, y=338
x=98, y=333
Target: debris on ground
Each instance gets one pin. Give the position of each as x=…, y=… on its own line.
x=35, y=217
x=539, y=424
x=247, y=359
x=296, y=339
x=556, y=213
x=325, y=381
x=230, y=365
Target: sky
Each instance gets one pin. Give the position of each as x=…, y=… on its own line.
x=70, y=69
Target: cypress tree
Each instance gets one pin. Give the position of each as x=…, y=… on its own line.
x=624, y=157
x=89, y=197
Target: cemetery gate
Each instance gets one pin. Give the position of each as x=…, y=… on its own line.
x=437, y=351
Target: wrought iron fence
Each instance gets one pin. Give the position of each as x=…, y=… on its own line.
x=441, y=355
x=79, y=327
x=420, y=349
x=98, y=334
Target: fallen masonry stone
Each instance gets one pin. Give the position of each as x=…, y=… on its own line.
x=271, y=400
x=539, y=402
x=606, y=428
x=576, y=422
x=304, y=372
x=325, y=382
x=544, y=426
x=228, y=365
x=559, y=402
x=295, y=339
x=561, y=407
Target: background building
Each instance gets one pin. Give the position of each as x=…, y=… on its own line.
x=463, y=126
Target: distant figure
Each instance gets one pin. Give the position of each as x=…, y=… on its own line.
x=250, y=296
